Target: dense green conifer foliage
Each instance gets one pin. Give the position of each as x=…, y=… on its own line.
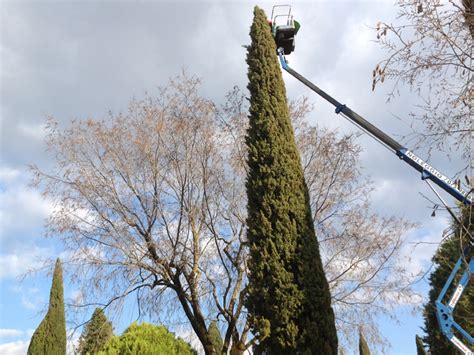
x=363, y=346
x=149, y=339
x=96, y=333
x=216, y=337
x=444, y=259
x=288, y=299
x=50, y=336
x=420, y=347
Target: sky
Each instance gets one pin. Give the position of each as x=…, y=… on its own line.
x=80, y=59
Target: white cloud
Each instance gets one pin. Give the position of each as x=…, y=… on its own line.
x=8, y=175
x=10, y=333
x=32, y=131
x=14, y=348
x=22, y=210
x=15, y=264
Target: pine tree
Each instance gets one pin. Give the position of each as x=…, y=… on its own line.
x=288, y=297
x=50, y=336
x=216, y=337
x=420, y=347
x=147, y=339
x=96, y=333
x=363, y=346
x=444, y=259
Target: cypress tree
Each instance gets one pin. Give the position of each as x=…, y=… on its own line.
x=216, y=337
x=363, y=346
x=96, y=333
x=50, y=336
x=288, y=296
x=420, y=347
x=446, y=256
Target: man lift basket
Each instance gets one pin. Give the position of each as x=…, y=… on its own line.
x=284, y=27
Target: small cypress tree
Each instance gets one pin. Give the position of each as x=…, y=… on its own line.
x=444, y=259
x=288, y=296
x=50, y=336
x=420, y=347
x=363, y=346
x=96, y=333
x=216, y=337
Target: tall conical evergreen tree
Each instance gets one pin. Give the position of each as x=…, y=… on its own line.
x=288, y=297
x=363, y=346
x=420, y=347
x=96, y=333
x=445, y=258
x=50, y=336
x=216, y=337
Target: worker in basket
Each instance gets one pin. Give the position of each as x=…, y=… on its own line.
x=284, y=34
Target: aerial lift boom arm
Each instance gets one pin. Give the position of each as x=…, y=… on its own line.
x=428, y=172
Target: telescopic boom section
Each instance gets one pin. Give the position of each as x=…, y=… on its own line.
x=427, y=171
x=444, y=312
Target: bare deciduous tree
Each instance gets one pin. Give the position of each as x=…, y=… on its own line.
x=146, y=205
x=430, y=48
x=152, y=203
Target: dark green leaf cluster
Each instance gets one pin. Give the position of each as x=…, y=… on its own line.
x=147, y=339
x=363, y=346
x=50, y=336
x=288, y=296
x=96, y=333
x=444, y=259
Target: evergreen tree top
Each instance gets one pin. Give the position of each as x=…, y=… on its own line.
x=96, y=333
x=50, y=336
x=57, y=286
x=268, y=99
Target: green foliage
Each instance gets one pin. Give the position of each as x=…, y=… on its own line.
x=216, y=337
x=363, y=346
x=420, y=347
x=96, y=333
x=147, y=339
x=288, y=296
x=445, y=258
x=50, y=336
